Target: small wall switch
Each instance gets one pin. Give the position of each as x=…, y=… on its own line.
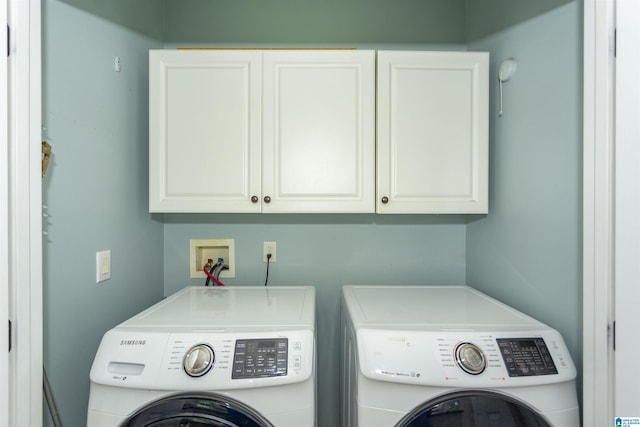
x=103, y=266
x=269, y=248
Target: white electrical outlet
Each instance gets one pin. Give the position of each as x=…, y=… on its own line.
x=103, y=266
x=269, y=248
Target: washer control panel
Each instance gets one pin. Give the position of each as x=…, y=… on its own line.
x=526, y=357
x=204, y=360
x=259, y=358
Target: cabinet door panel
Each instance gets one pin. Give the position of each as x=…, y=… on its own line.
x=204, y=131
x=318, y=140
x=433, y=107
x=432, y=132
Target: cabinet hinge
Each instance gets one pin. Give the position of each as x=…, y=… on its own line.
x=10, y=336
x=8, y=40
x=613, y=336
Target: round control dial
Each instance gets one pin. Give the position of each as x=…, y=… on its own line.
x=470, y=358
x=198, y=360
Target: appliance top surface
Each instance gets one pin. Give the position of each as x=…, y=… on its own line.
x=425, y=307
x=254, y=307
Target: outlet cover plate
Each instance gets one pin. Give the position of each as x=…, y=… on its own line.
x=103, y=266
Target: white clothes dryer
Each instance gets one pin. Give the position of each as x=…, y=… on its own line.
x=416, y=356
x=210, y=356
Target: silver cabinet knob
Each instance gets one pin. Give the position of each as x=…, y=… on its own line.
x=385, y=200
x=254, y=199
x=267, y=199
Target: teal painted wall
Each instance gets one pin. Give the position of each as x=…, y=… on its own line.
x=527, y=251
x=95, y=193
x=486, y=17
x=145, y=17
x=324, y=22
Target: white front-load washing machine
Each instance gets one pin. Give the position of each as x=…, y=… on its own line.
x=210, y=356
x=417, y=356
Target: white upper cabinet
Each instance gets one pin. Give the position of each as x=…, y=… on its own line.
x=295, y=131
x=432, y=124
x=204, y=131
x=262, y=131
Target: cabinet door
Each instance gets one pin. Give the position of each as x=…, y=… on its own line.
x=432, y=132
x=204, y=131
x=319, y=131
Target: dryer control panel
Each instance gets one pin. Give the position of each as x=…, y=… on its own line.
x=464, y=358
x=526, y=357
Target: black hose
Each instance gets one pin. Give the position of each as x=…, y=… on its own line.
x=48, y=395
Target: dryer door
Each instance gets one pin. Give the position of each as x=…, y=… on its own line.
x=472, y=408
x=196, y=410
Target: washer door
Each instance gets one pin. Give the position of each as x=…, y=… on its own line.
x=196, y=410
x=473, y=408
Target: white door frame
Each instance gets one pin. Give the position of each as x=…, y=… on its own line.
x=4, y=224
x=25, y=214
x=598, y=220
x=627, y=209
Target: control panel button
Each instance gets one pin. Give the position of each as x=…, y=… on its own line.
x=198, y=360
x=470, y=358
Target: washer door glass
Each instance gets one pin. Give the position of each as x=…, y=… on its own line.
x=196, y=411
x=473, y=409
